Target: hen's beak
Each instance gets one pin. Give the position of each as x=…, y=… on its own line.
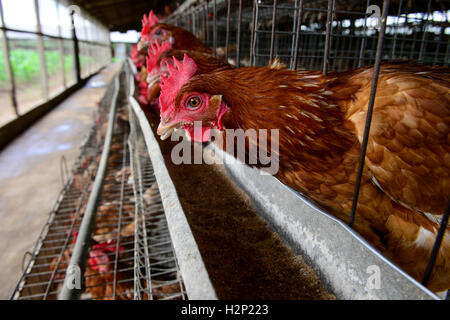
x=165, y=130
x=141, y=45
x=152, y=79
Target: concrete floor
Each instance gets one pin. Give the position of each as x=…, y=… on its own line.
x=30, y=179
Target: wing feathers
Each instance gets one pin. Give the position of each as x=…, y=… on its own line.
x=408, y=149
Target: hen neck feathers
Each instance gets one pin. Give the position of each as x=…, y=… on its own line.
x=300, y=104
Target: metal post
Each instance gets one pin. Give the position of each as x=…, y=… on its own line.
x=76, y=48
x=227, y=39
x=9, y=72
x=364, y=40
x=252, y=38
x=87, y=45
x=297, y=33
x=238, y=36
x=328, y=36
x=214, y=28
x=193, y=25
x=61, y=48
x=206, y=11
x=272, y=35
x=41, y=52
x=394, y=44
x=376, y=70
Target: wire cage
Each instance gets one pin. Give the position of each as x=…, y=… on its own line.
x=157, y=274
x=340, y=34
x=45, y=271
x=130, y=254
x=326, y=35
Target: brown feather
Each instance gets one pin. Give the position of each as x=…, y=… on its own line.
x=183, y=39
x=321, y=122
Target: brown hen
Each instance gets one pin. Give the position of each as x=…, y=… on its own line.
x=181, y=39
x=321, y=122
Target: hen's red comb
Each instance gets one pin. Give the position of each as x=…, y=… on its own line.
x=134, y=52
x=179, y=74
x=98, y=260
x=148, y=22
x=155, y=51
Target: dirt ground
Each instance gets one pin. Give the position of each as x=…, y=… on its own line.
x=244, y=258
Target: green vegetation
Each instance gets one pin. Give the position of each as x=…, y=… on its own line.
x=25, y=64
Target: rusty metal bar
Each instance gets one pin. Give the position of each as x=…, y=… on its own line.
x=227, y=40
x=437, y=245
x=214, y=28
x=252, y=37
x=238, y=36
x=326, y=52
x=76, y=49
x=297, y=33
x=376, y=70
x=206, y=11
x=272, y=35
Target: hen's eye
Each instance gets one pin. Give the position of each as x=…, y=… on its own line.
x=193, y=103
x=158, y=32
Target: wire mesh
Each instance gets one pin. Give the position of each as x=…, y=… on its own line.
x=130, y=255
x=45, y=272
x=157, y=274
x=415, y=30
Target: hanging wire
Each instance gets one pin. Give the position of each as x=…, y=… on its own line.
x=376, y=70
x=437, y=245
x=238, y=36
x=252, y=37
x=297, y=32
x=227, y=40
x=326, y=53
x=272, y=34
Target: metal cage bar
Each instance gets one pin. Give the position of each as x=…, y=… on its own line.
x=373, y=90
x=238, y=36
x=41, y=52
x=437, y=245
x=8, y=67
x=227, y=39
x=326, y=54
x=272, y=35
